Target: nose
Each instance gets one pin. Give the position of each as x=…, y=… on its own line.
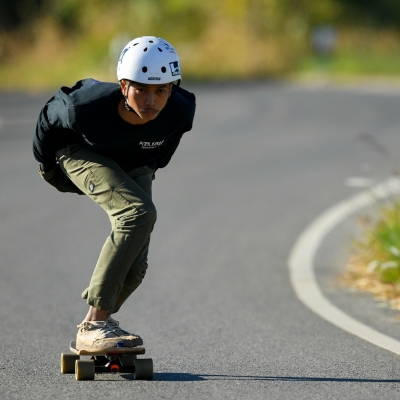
x=150, y=99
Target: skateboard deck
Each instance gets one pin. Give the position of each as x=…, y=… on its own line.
x=112, y=359
x=104, y=352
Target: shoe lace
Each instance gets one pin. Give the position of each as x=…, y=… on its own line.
x=106, y=330
x=112, y=321
x=115, y=326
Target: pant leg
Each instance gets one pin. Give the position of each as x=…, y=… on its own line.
x=134, y=278
x=131, y=212
x=144, y=178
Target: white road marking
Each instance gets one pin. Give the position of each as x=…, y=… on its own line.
x=302, y=256
x=359, y=182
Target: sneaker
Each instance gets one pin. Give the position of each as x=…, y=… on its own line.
x=123, y=334
x=98, y=335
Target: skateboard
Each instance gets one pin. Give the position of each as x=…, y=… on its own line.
x=114, y=359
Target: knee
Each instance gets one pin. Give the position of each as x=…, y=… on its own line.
x=146, y=214
x=150, y=213
x=133, y=217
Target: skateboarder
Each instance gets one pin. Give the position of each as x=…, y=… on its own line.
x=105, y=141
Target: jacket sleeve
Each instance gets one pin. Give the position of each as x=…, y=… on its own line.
x=52, y=122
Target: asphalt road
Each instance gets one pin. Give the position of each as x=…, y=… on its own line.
x=216, y=310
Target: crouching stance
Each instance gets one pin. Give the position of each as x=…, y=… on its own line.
x=105, y=141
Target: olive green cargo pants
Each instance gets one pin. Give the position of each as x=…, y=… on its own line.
x=126, y=198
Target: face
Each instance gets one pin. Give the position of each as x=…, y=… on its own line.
x=146, y=100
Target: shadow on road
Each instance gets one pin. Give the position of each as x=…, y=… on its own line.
x=186, y=377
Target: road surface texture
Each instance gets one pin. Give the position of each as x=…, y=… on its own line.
x=216, y=310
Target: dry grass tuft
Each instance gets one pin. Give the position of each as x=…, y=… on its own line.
x=357, y=276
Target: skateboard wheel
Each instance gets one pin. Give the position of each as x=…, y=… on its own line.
x=68, y=363
x=143, y=369
x=128, y=360
x=84, y=370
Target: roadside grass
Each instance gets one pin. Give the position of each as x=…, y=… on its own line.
x=374, y=264
x=46, y=55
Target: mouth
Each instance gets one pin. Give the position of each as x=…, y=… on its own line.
x=149, y=111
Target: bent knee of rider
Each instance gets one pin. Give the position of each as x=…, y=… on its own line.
x=134, y=216
x=147, y=213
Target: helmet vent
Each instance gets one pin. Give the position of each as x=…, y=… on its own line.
x=145, y=49
x=150, y=41
x=144, y=69
x=135, y=44
x=159, y=50
x=163, y=70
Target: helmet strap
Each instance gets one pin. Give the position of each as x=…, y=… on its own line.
x=127, y=106
x=175, y=88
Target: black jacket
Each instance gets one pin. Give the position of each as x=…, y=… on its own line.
x=87, y=113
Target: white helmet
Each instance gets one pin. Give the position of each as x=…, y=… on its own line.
x=149, y=59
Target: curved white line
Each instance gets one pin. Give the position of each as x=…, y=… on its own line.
x=301, y=264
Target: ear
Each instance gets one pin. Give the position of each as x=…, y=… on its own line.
x=123, y=85
x=170, y=89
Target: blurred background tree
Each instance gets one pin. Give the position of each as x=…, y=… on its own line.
x=45, y=43
x=18, y=12
x=375, y=13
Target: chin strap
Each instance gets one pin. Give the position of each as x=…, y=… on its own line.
x=127, y=106
x=175, y=87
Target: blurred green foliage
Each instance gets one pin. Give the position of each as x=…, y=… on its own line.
x=44, y=43
x=17, y=12
x=378, y=13
x=378, y=243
